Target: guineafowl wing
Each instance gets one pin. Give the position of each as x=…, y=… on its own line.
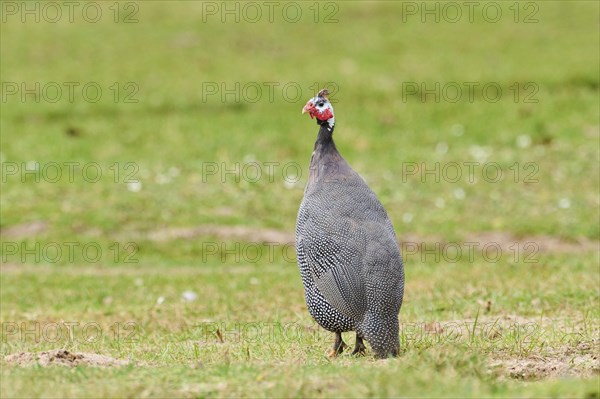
x=335, y=264
x=336, y=225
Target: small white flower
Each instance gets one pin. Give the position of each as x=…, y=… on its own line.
x=134, y=186
x=457, y=129
x=523, y=141
x=459, y=194
x=480, y=153
x=290, y=184
x=441, y=147
x=407, y=218
x=440, y=203
x=32, y=165
x=189, y=296
x=160, y=300
x=162, y=179
x=254, y=281
x=173, y=171
x=564, y=203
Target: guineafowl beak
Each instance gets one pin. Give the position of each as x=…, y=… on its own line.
x=310, y=108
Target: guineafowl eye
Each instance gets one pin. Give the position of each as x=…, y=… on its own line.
x=320, y=108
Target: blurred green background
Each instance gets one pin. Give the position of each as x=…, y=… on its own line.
x=369, y=54
x=191, y=153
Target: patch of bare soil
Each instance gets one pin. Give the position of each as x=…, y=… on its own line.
x=246, y=233
x=580, y=358
x=540, y=367
x=10, y=267
x=24, y=230
x=63, y=357
x=544, y=243
x=505, y=240
x=512, y=321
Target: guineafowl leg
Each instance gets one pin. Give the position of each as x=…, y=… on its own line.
x=338, y=345
x=359, y=348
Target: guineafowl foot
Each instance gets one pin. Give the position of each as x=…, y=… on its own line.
x=359, y=348
x=338, y=346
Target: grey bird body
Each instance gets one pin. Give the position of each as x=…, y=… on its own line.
x=347, y=252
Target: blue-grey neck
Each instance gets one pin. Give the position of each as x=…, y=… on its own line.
x=324, y=138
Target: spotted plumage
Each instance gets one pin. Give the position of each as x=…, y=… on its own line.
x=347, y=252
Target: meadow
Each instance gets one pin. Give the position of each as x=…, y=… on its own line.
x=154, y=158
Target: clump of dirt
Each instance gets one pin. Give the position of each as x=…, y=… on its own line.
x=63, y=357
x=580, y=360
x=538, y=367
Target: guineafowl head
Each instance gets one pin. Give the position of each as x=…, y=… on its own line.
x=319, y=107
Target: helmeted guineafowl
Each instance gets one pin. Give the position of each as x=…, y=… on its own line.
x=347, y=251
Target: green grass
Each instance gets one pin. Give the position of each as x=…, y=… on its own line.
x=465, y=323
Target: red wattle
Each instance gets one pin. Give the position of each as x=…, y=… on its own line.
x=325, y=115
